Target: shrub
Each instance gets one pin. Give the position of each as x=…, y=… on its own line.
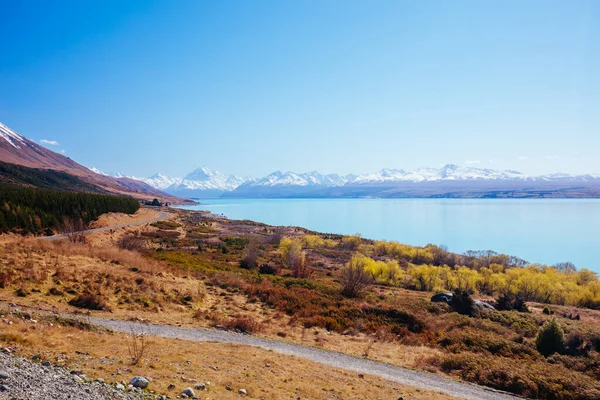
x=238, y=324
x=510, y=302
x=462, y=302
x=89, y=302
x=294, y=258
x=550, y=339
x=355, y=278
x=576, y=345
x=351, y=242
x=130, y=242
x=268, y=269
x=250, y=260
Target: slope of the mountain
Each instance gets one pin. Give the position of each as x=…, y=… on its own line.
x=43, y=179
x=17, y=149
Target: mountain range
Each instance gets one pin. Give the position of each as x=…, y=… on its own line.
x=36, y=162
x=447, y=181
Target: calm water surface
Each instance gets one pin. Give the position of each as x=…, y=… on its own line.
x=544, y=231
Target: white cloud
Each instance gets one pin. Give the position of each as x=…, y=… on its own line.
x=551, y=157
x=49, y=142
x=469, y=162
x=522, y=158
x=62, y=151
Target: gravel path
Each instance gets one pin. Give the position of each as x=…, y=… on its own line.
x=418, y=379
x=22, y=379
x=161, y=216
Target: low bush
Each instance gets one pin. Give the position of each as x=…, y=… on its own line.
x=89, y=302
x=130, y=242
x=268, y=269
x=511, y=302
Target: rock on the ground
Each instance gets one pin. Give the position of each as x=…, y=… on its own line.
x=188, y=392
x=243, y=391
x=139, y=382
x=442, y=298
x=483, y=306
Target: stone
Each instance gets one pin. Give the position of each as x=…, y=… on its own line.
x=228, y=388
x=483, y=306
x=188, y=392
x=3, y=388
x=119, y=386
x=4, y=375
x=243, y=392
x=100, y=380
x=200, y=386
x=46, y=363
x=139, y=382
x=442, y=298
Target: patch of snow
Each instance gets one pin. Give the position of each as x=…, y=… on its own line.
x=12, y=137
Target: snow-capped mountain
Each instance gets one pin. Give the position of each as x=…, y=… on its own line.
x=449, y=172
x=200, y=183
x=447, y=181
x=312, y=178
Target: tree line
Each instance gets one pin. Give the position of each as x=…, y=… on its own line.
x=31, y=210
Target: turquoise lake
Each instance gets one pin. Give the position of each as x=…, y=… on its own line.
x=538, y=230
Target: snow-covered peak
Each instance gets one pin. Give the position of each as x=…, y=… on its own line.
x=289, y=178
x=12, y=137
x=204, y=174
x=447, y=172
x=97, y=171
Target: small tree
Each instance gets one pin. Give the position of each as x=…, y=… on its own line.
x=355, y=277
x=250, y=260
x=294, y=258
x=73, y=228
x=550, y=339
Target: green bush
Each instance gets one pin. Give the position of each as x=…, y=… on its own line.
x=551, y=338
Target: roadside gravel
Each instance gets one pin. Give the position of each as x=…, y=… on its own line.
x=23, y=379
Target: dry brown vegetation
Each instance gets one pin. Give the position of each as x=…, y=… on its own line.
x=188, y=272
x=264, y=374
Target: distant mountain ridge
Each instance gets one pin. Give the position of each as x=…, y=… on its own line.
x=18, y=150
x=447, y=181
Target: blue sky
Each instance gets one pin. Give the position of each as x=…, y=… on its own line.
x=248, y=87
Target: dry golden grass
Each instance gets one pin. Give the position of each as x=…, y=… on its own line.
x=264, y=374
x=135, y=285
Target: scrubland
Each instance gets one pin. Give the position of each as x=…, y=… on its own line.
x=343, y=293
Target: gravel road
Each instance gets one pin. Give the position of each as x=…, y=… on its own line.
x=418, y=379
x=161, y=216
